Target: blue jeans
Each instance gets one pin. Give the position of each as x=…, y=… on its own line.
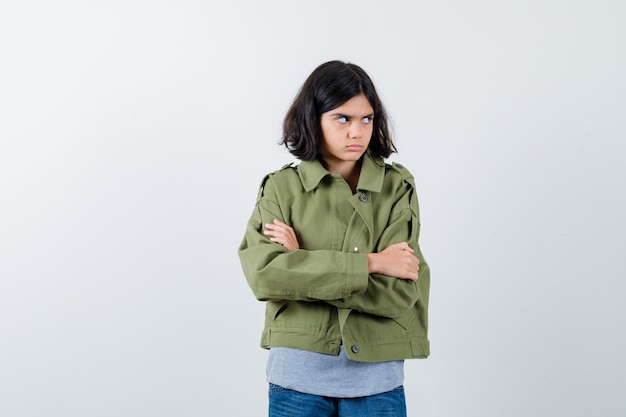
x=288, y=403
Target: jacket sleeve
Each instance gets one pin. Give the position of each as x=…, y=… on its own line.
x=273, y=273
x=389, y=296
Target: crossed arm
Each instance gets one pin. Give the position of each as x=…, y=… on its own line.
x=396, y=260
x=383, y=283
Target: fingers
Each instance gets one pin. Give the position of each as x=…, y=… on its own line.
x=278, y=229
x=406, y=266
x=282, y=234
x=399, y=261
x=402, y=246
x=411, y=271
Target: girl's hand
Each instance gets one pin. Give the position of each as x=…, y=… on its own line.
x=396, y=260
x=282, y=234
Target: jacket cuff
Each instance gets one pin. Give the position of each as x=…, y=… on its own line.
x=357, y=273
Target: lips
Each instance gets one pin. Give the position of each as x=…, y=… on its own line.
x=354, y=147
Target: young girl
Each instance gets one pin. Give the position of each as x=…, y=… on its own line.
x=332, y=248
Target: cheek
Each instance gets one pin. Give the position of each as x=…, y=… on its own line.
x=330, y=133
x=326, y=131
x=325, y=137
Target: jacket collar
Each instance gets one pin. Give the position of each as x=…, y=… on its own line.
x=371, y=178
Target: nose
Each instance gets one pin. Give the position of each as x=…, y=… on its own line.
x=355, y=131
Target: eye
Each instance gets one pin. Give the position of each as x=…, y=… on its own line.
x=342, y=119
x=367, y=119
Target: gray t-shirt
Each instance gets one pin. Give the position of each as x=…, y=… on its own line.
x=331, y=376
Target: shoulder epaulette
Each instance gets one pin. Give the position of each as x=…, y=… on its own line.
x=266, y=177
x=261, y=187
x=405, y=173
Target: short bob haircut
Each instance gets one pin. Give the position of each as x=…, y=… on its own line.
x=328, y=87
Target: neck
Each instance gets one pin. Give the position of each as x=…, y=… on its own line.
x=349, y=171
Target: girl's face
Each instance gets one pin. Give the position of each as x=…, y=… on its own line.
x=347, y=130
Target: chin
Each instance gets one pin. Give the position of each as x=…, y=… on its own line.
x=355, y=156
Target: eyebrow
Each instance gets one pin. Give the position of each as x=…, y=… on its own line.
x=347, y=116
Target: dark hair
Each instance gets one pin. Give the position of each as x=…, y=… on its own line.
x=328, y=87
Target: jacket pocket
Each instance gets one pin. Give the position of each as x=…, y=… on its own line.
x=405, y=320
x=274, y=308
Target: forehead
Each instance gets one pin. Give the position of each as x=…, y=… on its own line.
x=356, y=106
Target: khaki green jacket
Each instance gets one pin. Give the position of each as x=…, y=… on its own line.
x=321, y=295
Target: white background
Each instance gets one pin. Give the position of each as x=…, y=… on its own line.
x=134, y=134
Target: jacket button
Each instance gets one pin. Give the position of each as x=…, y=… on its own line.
x=363, y=198
x=355, y=348
x=355, y=249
